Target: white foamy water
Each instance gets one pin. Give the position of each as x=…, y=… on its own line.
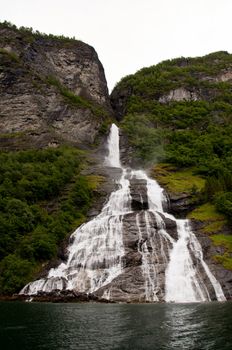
x=183, y=281
x=113, y=157
x=95, y=256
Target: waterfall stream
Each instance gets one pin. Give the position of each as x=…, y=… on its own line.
x=133, y=250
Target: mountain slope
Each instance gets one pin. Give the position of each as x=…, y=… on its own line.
x=178, y=115
x=53, y=99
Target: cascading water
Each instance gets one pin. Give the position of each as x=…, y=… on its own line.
x=113, y=157
x=133, y=250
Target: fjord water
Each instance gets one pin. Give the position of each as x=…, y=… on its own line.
x=97, y=249
x=37, y=326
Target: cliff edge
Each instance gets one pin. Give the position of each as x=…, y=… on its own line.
x=52, y=90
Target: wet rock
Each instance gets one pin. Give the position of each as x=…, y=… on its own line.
x=223, y=275
x=169, y=223
x=133, y=258
x=57, y=296
x=170, y=226
x=180, y=204
x=138, y=192
x=127, y=287
x=126, y=152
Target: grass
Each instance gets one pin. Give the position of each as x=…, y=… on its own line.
x=224, y=260
x=94, y=181
x=12, y=55
x=185, y=181
x=213, y=227
x=206, y=212
x=224, y=241
x=212, y=219
x=12, y=135
x=213, y=224
x=178, y=180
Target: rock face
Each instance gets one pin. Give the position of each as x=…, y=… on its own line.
x=224, y=76
x=51, y=90
x=119, y=99
x=179, y=94
x=179, y=204
x=223, y=275
x=130, y=286
x=138, y=192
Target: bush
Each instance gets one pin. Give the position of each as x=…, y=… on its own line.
x=224, y=204
x=14, y=274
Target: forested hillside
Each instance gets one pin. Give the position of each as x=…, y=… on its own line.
x=43, y=197
x=179, y=112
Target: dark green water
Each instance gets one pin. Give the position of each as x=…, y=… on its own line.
x=35, y=326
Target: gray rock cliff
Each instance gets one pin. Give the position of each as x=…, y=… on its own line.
x=52, y=90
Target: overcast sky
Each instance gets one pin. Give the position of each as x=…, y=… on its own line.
x=130, y=34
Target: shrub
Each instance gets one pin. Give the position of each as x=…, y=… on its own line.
x=14, y=273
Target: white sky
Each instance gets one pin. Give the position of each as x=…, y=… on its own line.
x=130, y=34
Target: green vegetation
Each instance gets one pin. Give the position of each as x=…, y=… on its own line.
x=213, y=220
x=224, y=260
x=32, y=34
x=43, y=197
x=12, y=135
x=12, y=55
x=74, y=99
x=206, y=212
x=224, y=241
x=178, y=180
x=194, y=133
x=213, y=225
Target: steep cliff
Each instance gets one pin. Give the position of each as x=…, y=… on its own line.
x=53, y=102
x=52, y=90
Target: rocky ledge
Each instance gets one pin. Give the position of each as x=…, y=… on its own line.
x=57, y=296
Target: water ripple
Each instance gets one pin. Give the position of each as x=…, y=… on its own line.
x=26, y=326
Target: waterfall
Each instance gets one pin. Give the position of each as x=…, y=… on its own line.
x=133, y=250
x=113, y=157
